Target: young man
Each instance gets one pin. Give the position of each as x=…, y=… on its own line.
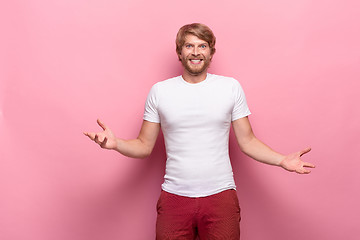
x=195, y=111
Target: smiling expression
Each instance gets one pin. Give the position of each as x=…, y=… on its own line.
x=195, y=55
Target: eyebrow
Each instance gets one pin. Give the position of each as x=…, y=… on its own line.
x=205, y=43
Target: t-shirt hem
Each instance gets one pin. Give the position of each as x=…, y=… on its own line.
x=198, y=194
x=240, y=116
x=151, y=119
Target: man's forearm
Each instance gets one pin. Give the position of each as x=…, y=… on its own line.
x=261, y=152
x=134, y=148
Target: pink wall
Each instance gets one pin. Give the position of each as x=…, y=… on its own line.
x=66, y=63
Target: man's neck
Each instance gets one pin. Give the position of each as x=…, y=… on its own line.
x=191, y=78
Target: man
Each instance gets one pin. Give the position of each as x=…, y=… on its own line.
x=195, y=111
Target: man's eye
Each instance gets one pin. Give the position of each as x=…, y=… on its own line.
x=203, y=46
x=188, y=46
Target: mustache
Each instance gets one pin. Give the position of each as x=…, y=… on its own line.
x=196, y=57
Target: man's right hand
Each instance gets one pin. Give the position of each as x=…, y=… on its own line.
x=139, y=147
x=106, y=139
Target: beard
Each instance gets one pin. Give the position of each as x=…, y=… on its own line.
x=196, y=69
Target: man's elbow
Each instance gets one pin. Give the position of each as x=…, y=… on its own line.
x=145, y=153
x=246, y=144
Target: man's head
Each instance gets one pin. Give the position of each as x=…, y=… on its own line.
x=195, y=46
x=199, y=30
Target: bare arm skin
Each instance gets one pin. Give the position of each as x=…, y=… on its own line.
x=259, y=151
x=141, y=147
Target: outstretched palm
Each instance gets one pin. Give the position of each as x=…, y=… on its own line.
x=106, y=139
x=293, y=162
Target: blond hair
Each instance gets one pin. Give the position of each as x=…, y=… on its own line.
x=199, y=30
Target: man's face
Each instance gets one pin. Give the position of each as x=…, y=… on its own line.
x=195, y=55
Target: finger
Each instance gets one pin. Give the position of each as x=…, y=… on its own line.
x=101, y=124
x=299, y=170
x=90, y=135
x=98, y=140
x=302, y=171
x=103, y=143
x=307, y=164
x=304, y=151
x=306, y=171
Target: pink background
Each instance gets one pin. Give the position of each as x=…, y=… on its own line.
x=66, y=63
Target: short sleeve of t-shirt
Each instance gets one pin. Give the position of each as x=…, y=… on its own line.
x=241, y=108
x=151, y=113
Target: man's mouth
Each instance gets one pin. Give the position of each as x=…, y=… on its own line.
x=196, y=61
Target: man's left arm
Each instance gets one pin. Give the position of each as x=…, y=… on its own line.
x=254, y=148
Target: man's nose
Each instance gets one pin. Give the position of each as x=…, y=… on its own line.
x=195, y=51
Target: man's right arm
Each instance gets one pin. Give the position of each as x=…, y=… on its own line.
x=140, y=147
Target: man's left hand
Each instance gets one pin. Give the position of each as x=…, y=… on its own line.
x=293, y=162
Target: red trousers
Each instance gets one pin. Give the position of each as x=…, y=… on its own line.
x=213, y=217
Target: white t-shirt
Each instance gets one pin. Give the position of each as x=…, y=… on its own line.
x=195, y=120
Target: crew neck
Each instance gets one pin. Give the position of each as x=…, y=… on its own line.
x=208, y=76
